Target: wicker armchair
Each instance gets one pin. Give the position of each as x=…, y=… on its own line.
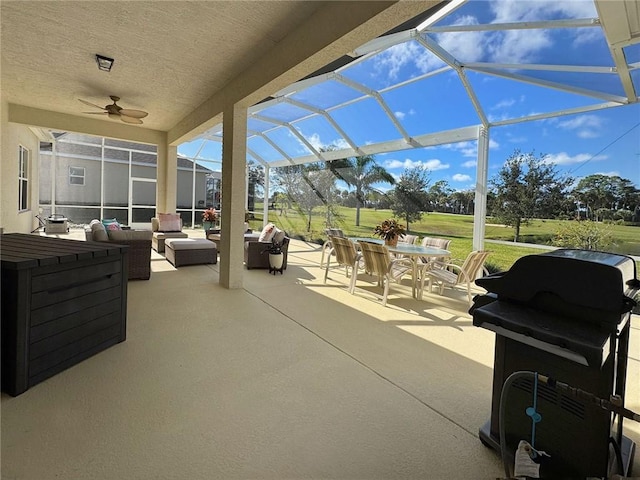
x=138, y=241
x=256, y=255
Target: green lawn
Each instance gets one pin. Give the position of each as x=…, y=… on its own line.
x=459, y=228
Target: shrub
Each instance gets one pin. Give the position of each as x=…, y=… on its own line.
x=584, y=234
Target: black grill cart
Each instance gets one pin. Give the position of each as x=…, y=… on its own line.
x=564, y=314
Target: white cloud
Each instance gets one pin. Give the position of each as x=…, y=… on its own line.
x=586, y=126
x=470, y=164
x=432, y=165
x=315, y=141
x=506, y=103
x=459, y=177
x=469, y=46
x=391, y=61
x=563, y=158
x=318, y=144
x=510, y=11
x=613, y=173
x=580, y=121
x=399, y=115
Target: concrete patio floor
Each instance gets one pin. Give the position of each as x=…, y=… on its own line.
x=287, y=378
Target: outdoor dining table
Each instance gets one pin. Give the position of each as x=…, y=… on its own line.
x=414, y=252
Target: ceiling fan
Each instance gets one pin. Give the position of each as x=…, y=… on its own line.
x=114, y=110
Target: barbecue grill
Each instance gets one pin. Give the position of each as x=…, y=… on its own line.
x=565, y=314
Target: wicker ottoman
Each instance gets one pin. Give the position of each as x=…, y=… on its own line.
x=190, y=251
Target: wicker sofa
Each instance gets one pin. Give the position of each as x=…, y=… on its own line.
x=138, y=241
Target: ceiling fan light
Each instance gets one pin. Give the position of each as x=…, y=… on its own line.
x=113, y=115
x=104, y=63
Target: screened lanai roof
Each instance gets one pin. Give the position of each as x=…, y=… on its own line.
x=452, y=67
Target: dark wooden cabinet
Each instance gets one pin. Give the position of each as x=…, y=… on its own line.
x=62, y=301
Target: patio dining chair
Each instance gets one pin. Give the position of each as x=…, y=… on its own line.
x=451, y=274
x=347, y=256
x=379, y=262
x=407, y=238
x=442, y=243
x=326, y=246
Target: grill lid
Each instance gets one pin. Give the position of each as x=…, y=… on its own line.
x=596, y=286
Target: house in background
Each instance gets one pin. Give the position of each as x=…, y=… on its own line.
x=84, y=177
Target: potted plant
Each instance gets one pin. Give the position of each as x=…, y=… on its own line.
x=209, y=218
x=276, y=257
x=389, y=230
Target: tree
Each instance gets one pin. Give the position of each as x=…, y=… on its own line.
x=256, y=179
x=586, y=235
x=360, y=173
x=439, y=195
x=527, y=187
x=599, y=193
x=463, y=201
x=410, y=197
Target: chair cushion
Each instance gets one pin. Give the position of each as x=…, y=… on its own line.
x=268, y=232
x=189, y=244
x=169, y=222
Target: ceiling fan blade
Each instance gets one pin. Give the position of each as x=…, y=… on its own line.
x=133, y=113
x=95, y=113
x=91, y=104
x=128, y=119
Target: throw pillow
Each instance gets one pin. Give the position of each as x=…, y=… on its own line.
x=267, y=233
x=278, y=235
x=169, y=222
x=109, y=221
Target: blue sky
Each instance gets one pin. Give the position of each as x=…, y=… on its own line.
x=605, y=141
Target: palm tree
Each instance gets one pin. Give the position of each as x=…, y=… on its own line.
x=360, y=173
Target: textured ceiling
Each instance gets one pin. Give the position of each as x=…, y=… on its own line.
x=169, y=56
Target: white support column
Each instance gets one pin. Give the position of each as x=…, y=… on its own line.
x=246, y=197
x=480, y=211
x=234, y=194
x=167, y=178
x=265, y=203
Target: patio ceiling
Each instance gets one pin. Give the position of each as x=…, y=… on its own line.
x=593, y=63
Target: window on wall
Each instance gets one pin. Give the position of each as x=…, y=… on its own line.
x=23, y=178
x=76, y=175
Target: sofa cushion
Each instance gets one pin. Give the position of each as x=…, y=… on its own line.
x=99, y=232
x=169, y=222
x=125, y=235
x=267, y=233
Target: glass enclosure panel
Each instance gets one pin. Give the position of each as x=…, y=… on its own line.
x=144, y=193
x=45, y=178
x=185, y=189
x=79, y=215
x=64, y=148
x=87, y=194
x=144, y=171
x=111, y=154
x=122, y=215
x=142, y=215
x=116, y=182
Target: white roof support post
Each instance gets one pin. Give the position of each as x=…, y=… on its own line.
x=482, y=169
x=234, y=194
x=265, y=203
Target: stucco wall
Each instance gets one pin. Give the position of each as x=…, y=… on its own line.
x=12, y=136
